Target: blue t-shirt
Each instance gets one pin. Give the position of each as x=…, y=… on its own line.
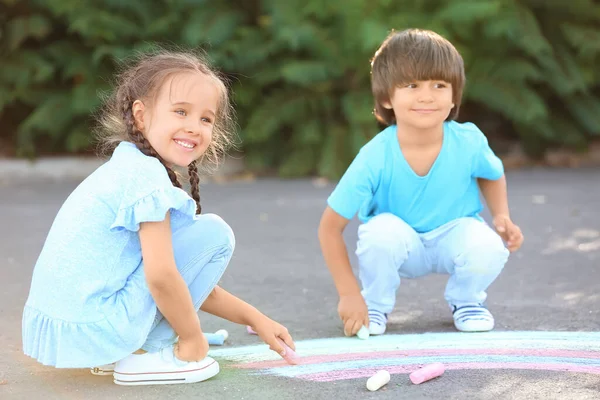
x=380, y=180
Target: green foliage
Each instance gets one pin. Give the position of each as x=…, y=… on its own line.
x=299, y=69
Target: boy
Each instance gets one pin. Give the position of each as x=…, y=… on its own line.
x=415, y=188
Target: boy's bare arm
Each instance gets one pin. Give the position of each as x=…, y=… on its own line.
x=495, y=195
x=335, y=252
x=496, y=198
x=352, y=308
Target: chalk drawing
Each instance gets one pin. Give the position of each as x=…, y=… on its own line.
x=341, y=358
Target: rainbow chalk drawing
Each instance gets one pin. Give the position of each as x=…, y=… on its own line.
x=333, y=359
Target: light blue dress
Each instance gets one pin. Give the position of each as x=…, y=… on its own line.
x=87, y=305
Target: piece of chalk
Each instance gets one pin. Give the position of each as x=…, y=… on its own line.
x=250, y=330
x=378, y=380
x=290, y=355
x=214, y=339
x=363, y=333
x=223, y=333
x=426, y=373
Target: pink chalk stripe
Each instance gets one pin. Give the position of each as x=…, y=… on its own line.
x=422, y=353
x=406, y=369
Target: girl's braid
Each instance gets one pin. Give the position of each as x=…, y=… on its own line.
x=195, y=183
x=142, y=143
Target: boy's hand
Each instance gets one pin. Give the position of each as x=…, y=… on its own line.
x=509, y=232
x=353, y=312
x=269, y=330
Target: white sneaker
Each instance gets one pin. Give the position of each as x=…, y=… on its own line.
x=377, y=322
x=162, y=368
x=103, y=370
x=473, y=318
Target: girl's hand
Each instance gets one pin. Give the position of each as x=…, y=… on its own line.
x=194, y=349
x=509, y=232
x=269, y=330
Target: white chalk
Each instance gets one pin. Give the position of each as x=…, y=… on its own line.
x=223, y=333
x=378, y=380
x=363, y=333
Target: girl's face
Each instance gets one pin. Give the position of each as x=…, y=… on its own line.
x=421, y=105
x=179, y=126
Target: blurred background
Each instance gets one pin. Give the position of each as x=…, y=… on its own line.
x=299, y=71
x=299, y=77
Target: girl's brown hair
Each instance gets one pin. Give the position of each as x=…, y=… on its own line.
x=414, y=55
x=142, y=82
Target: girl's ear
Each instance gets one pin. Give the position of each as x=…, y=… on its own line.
x=137, y=110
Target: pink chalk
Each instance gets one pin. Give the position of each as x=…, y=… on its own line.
x=290, y=355
x=426, y=373
x=250, y=330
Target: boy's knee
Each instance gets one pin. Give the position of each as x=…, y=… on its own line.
x=386, y=233
x=486, y=255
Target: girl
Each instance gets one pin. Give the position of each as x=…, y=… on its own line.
x=129, y=258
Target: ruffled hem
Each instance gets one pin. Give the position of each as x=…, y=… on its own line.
x=153, y=208
x=71, y=345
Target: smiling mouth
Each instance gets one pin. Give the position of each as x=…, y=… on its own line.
x=424, y=111
x=185, y=144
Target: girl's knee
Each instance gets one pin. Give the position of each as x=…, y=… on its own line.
x=217, y=229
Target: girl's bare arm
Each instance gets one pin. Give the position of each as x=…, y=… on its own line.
x=168, y=288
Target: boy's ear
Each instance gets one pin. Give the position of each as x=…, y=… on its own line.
x=387, y=104
x=137, y=110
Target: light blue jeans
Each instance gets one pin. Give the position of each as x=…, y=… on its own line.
x=389, y=249
x=202, y=252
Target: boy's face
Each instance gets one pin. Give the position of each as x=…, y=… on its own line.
x=179, y=124
x=421, y=104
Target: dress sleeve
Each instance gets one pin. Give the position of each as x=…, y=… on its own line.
x=152, y=208
x=147, y=194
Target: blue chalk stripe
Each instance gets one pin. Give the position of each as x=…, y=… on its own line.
x=583, y=341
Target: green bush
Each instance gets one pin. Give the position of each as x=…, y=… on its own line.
x=300, y=69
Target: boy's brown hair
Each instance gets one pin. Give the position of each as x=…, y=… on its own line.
x=414, y=55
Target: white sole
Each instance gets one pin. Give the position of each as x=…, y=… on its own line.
x=475, y=327
x=377, y=329
x=167, y=378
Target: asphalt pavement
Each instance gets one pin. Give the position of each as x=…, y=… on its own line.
x=546, y=303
